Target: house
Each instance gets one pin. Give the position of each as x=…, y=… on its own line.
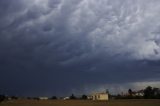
x=43, y=98
x=139, y=93
x=100, y=96
x=89, y=97
x=66, y=98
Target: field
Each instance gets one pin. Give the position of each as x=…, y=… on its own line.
x=81, y=103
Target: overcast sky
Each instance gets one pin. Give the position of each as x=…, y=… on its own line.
x=59, y=47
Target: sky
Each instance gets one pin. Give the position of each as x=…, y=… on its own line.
x=60, y=47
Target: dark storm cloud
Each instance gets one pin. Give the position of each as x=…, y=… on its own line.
x=56, y=46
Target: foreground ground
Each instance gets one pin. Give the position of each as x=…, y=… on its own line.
x=81, y=103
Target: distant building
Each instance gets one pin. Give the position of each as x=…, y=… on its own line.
x=100, y=96
x=139, y=93
x=43, y=98
x=66, y=98
x=89, y=97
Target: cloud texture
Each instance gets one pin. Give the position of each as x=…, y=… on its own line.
x=71, y=44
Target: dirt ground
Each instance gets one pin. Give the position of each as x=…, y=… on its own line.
x=81, y=103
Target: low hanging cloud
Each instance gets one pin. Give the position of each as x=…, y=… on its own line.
x=129, y=28
x=88, y=40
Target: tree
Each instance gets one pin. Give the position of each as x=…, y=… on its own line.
x=148, y=93
x=84, y=97
x=130, y=92
x=72, y=96
x=53, y=97
x=2, y=98
x=156, y=93
x=14, y=97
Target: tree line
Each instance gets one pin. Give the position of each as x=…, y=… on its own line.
x=5, y=98
x=147, y=93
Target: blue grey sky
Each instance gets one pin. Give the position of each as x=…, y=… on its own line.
x=59, y=47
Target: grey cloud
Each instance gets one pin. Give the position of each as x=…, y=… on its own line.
x=71, y=44
x=120, y=27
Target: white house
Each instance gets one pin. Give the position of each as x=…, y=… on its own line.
x=43, y=98
x=100, y=96
x=66, y=98
x=139, y=93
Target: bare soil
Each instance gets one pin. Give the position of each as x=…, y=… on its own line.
x=81, y=103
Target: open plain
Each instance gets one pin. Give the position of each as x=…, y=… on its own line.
x=81, y=103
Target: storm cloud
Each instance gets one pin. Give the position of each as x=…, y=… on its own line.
x=56, y=47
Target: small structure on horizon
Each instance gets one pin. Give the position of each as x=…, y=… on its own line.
x=43, y=98
x=101, y=96
x=139, y=93
x=66, y=98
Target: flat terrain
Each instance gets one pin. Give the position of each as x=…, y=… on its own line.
x=81, y=103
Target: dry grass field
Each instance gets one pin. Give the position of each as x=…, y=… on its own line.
x=82, y=103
